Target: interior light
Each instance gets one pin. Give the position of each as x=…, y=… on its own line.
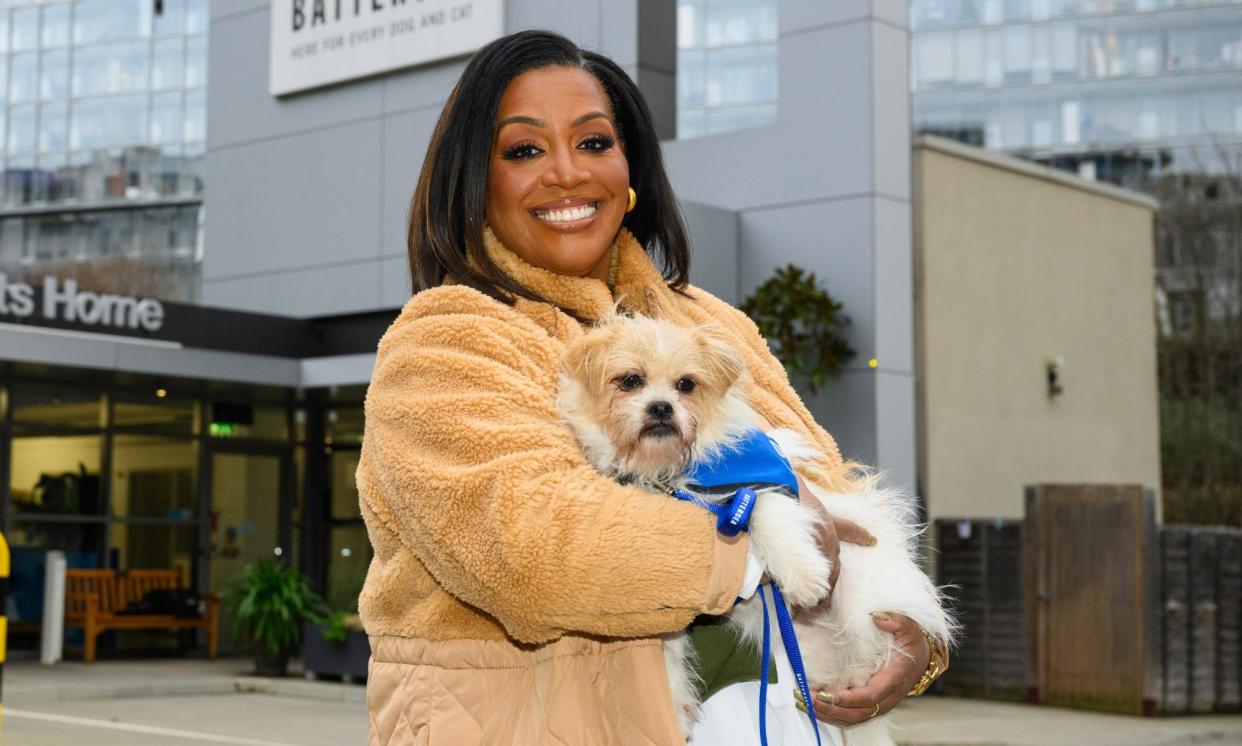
x=161, y=393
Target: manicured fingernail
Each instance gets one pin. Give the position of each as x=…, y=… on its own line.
x=799, y=705
x=881, y=615
x=873, y=542
x=828, y=697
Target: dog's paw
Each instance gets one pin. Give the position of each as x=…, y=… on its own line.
x=801, y=573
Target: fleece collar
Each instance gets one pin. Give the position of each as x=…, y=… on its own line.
x=639, y=285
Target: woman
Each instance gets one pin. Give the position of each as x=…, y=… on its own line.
x=516, y=596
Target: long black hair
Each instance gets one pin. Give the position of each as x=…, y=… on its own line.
x=449, y=206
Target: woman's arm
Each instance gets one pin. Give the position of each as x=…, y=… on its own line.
x=465, y=461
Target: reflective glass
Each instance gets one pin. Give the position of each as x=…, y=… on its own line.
x=349, y=555
x=56, y=474
x=55, y=25
x=344, y=493
x=4, y=32
x=166, y=65
x=195, y=116
x=741, y=75
x=22, y=133
x=112, y=68
x=107, y=122
x=154, y=477
x=25, y=29
x=161, y=546
x=111, y=20
x=343, y=425
x=166, y=118
x=196, y=62
x=245, y=420
x=156, y=413
x=171, y=20
x=54, y=76
x=24, y=79
x=53, y=126
x=196, y=16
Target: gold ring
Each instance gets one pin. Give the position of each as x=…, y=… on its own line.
x=875, y=712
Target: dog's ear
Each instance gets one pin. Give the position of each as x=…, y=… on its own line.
x=723, y=362
x=584, y=358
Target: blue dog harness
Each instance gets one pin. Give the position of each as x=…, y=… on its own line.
x=754, y=461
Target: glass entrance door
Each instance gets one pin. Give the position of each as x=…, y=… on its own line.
x=244, y=521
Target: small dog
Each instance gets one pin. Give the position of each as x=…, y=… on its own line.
x=646, y=398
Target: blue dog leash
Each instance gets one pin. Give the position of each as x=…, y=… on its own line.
x=754, y=460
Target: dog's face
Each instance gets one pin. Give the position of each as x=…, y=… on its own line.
x=645, y=396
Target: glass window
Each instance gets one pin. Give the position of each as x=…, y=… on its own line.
x=1041, y=55
x=157, y=412
x=742, y=75
x=12, y=238
x=993, y=71
x=691, y=75
x=349, y=555
x=246, y=420
x=111, y=20
x=56, y=474
x=196, y=16
x=167, y=68
x=1064, y=51
x=968, y=66
x=1016, y=42
x=4, y=32
x=935, y=59
x=55, y=25
x=196, y=62
x=171, y=18
x=108, y=122
x=739, y=117
x=55, y=74
x=23, y=85
x=154, y=547
x=166, y=118
x=195, y=116
x=22, y=134
x=154, y=477
x=53, y=126
x=26, y=29
x=344, y=493
x=690, y=14
x=112, y=68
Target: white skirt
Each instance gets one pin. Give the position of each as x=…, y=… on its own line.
x=730, y=717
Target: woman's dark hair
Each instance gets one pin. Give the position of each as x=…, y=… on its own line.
x=448, y=210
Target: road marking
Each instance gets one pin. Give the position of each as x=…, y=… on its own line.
x=135, y=728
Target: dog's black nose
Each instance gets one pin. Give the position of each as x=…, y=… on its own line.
x=661, y=410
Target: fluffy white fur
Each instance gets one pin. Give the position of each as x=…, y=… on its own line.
x=841, y=647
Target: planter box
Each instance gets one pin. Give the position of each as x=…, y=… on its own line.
x=322, y=657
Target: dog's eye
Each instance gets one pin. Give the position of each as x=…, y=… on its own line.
x=631, y=382
x=685, y=385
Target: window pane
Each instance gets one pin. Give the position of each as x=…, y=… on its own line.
x=114, y=68
x=107, y=122
x=154, y=477
x=22, y=132
x=111, y=20
x=167, y=67
x=174, y=416
x=154, y=547
x=349, y=555
x=24, y=83
x=196, y=62
x=195, y=116
x=196, y=16
x=56, y=474
x=344, y=493
x=56, y=405
x=53, y=126
x=56, y=25
x=25, y=29
x=343, y=426
x=172, y=18
x=166, y=118
x=244, y=420
x=55, y=74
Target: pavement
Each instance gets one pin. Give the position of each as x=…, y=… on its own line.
x=188, y=701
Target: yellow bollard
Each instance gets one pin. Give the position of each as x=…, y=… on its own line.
x=4, y=620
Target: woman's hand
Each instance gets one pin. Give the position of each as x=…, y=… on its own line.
x=832, y=531
x=887, y=687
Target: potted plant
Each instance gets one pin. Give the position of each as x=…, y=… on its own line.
x=267, y=604
x=339, y=646
x=803, y=324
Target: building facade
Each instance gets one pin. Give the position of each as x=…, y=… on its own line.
x=137, y=429
x=102, y=141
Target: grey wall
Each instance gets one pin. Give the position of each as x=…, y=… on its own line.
x=306, y=195
x=828, y=187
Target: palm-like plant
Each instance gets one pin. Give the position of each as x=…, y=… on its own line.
x=267, y=604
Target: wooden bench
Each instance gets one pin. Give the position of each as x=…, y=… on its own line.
x=94, y=598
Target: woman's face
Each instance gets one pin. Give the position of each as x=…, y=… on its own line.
x=557, y=181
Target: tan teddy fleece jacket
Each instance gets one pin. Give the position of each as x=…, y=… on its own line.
x=492, y=531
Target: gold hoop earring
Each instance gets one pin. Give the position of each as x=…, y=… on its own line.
x=633, y=200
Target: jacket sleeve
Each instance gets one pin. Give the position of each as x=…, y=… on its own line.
x=465, y=460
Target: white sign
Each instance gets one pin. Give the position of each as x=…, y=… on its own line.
x=316, y=42
x=67, y=303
